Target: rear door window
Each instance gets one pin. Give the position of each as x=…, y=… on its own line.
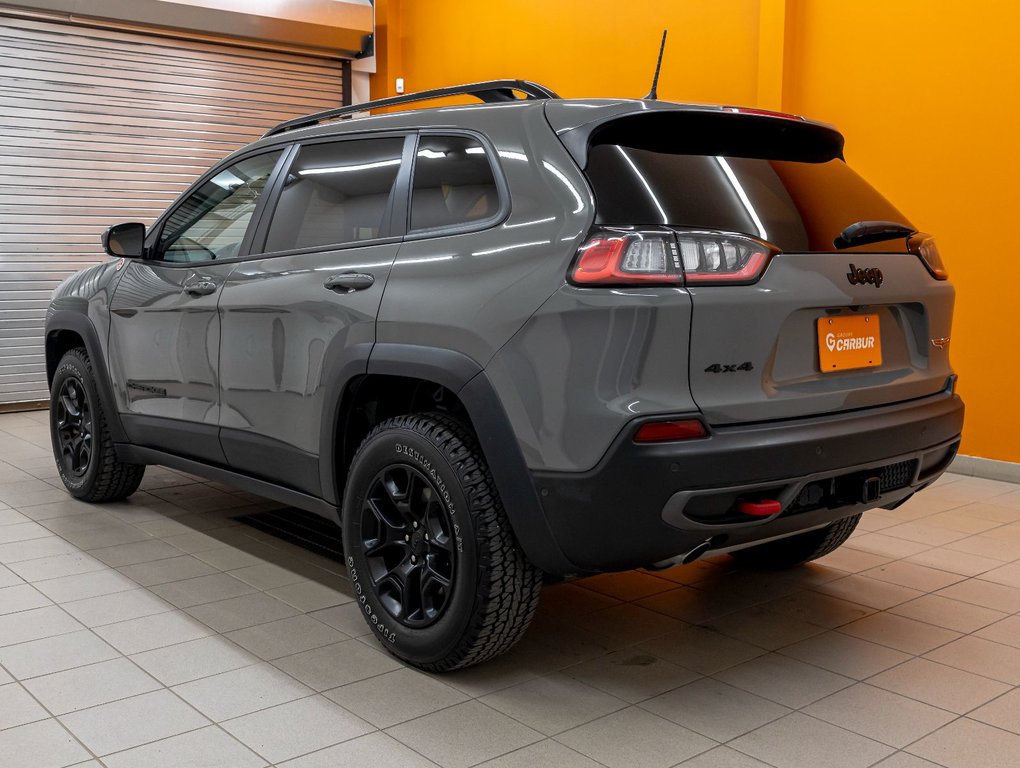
x=453, y=183
x=336, y=193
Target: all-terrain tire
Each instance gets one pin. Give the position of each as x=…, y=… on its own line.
x=494, y=588
x=799, y=549
x=102, y=477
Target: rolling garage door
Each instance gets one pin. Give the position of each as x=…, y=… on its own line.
x=99, y=126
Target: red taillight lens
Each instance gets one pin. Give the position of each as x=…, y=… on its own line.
x=719, y=259
x=611, y=257
x=655, y=257
x=665, y=431
x=923, y=246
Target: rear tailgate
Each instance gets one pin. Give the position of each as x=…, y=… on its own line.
x=786, y=344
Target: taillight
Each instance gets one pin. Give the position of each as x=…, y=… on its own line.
x=623, y=257
x=722, y=258
x=923, y=246
x=630, y=257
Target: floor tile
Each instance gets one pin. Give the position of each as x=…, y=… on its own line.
x=374, y=749
x=1003, y=712
x=82, y=687
x=310, y=595
x=338, y=664
x=998, y=597
x=913, y=576
x=873, y=593
x=267, y=576
x=624, y=625
x=296, y=728
x=33, y=549
x=723, y=757
x=201, y=590
x=901, y=633
x=845, y=655
x=155, y=631
x=40, y=745
x=955, y=561
x=66, y=564
x=903, y=760
x=631, y=674
x=982, y=657
x=951, y=614
x=121, y=606
x=450, y=737
x=629, y=585
x=240, y=612
x=286, y=637
x=1006, y=631
x=395, y=697
x=701, y=650
x=241, y=691
x=204, y=748
x=553, y=703
x=55, y=654
x=84, y=585
x=887, y=546
x=715, y=709
x=170, y=569
x=879, y=714
x=21, y=597
x=799, y=741
x=939, y=685
x=17, y=707
x=784, y=680
x=136, y=552
x=132, y=722
x=22, y=532
x=184, y=662
x=635, y=738
x=969, y=744
x=35, y=624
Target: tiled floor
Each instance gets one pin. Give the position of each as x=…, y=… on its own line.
x=163, y=632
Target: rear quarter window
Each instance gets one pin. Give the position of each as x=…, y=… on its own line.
x=453, y=183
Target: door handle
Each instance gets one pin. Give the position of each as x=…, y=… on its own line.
x=201, y=288
x=348, y=282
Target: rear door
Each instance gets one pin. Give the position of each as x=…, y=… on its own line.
x=822, y=330
x=301, y=310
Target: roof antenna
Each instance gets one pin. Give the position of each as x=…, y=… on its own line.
x=654, y=93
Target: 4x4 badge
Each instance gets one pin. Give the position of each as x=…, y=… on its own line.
x=858, y=276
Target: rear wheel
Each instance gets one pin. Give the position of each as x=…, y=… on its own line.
x=431, y=555
x=82, y=445
x=798, y=549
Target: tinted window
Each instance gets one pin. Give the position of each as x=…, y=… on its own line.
x=799, y=206
x=212, y=220
x=453, y=183
x=336, y=193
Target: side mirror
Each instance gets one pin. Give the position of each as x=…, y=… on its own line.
x=125, y=240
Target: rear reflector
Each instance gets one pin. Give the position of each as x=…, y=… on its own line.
x=666, y=431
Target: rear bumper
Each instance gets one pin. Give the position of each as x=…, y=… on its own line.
x=647, y=503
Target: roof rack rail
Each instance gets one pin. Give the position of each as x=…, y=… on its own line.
x=487, y=91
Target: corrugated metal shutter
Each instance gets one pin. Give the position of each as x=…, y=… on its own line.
x=99, y=126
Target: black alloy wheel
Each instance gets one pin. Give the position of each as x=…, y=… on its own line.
x=407, y=541
x=74, y=427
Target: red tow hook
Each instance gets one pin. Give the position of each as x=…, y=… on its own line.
x=762, y=508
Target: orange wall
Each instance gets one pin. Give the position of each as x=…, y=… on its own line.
x=926, y=92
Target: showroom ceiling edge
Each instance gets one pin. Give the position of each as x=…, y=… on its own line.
x=334, y=28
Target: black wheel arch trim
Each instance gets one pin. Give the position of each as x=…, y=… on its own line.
x=79, y=323
x=464, y=377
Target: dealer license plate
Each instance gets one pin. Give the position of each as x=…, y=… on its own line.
x=849, y=341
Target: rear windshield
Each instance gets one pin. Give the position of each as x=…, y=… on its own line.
x=798, y=206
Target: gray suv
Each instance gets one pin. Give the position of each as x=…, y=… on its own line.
x=533, y=336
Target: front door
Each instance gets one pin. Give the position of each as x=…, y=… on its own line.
x=165, y=328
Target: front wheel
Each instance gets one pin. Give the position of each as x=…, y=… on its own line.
x=431, y=556
x=799, y=548
x=82, y=444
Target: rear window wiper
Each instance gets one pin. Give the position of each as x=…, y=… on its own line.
x=864, y=232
